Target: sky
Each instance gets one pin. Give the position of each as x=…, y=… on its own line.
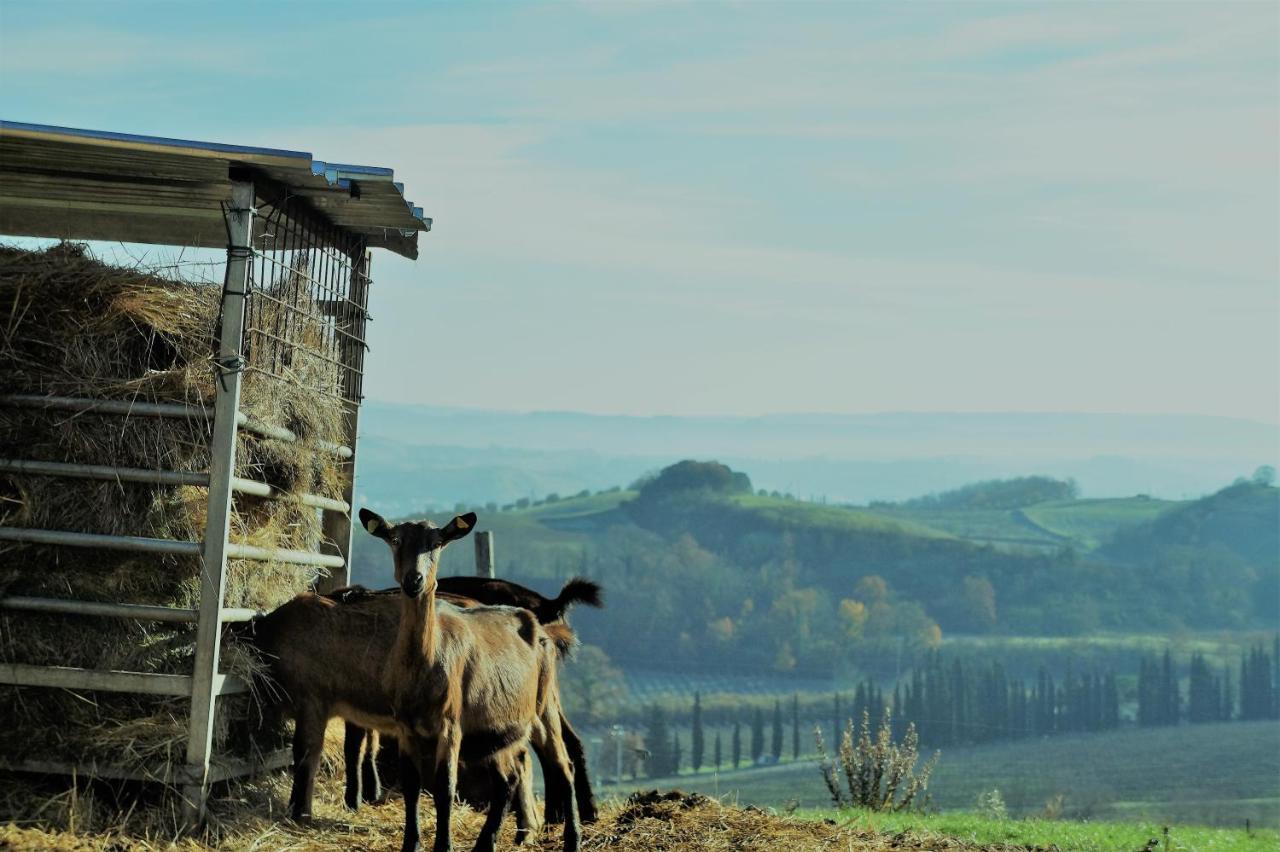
x=748, y=208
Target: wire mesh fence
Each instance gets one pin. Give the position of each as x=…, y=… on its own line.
x=307, y=301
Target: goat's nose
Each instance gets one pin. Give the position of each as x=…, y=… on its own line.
x=413, y=584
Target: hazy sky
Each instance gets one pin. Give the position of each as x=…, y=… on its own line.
x=755, y=207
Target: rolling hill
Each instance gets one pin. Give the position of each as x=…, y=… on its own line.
x=706, y=579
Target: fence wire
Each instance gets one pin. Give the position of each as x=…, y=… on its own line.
x=307, y=304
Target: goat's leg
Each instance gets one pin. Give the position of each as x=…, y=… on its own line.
x=582, y=791
x=308, y=745
x=572, y=828
x=445, y=782
x=548, y=736
x=411, y=784
x=371, y=784
x=554, y=789
x=527, y=827
x=353, y=744
x=503, y=777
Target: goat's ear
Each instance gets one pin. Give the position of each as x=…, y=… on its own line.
x=375, y=524
x=459, y=527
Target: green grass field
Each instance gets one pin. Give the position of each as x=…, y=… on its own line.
x=1074, y=835
x=1091, y=522
x=1219, y=774
x=1080, y=523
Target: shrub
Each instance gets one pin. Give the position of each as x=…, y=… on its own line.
x=991, y=805
x=879, y=774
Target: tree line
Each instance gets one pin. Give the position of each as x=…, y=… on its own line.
x=951, y=702
x=1210, y=697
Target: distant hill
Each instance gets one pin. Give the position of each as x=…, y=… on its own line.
x=420, y=456
x=703, y=573
x=1243, y=519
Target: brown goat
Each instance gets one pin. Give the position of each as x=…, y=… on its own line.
x=486, y=674
x=326, y=655
x=361, y=747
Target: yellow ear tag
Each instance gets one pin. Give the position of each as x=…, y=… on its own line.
x=372, y=526
x=461, y=524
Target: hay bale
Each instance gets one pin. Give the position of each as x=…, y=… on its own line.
x=72, y=325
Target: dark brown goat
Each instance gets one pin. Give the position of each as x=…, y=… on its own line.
x=486, y=674
x=361, y=747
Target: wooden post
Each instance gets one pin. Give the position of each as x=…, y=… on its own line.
x=484, y=554
x=213, y=572
x=337, y=525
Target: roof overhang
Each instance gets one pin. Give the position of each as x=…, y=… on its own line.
x=97, y=185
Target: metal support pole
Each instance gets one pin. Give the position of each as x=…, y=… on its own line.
x=230, y=363
x=337, y=525
x=484, y=555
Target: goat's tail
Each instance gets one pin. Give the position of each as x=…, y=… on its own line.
x=577, y=590
x=562, y=637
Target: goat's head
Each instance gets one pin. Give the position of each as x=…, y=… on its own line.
x=416, y=545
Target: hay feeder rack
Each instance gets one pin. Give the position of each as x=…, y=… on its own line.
x=276, y=213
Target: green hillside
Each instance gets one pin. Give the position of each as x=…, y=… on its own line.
x=704, y=574
x=1089, y=523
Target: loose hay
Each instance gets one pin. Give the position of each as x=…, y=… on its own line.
x=71, y=325
x=250, y=818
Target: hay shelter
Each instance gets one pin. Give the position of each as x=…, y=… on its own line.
x=177, y=443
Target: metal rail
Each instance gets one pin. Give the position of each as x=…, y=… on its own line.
x=280, y=433
x=141, y=612
x=277, y=554
x=164, y=772
x=65, y=677
x=85, y=405
x=138, y=612
x=108, y=406
x=111, y=473
x=134, y=543
x=139, y=544
x=138, y=683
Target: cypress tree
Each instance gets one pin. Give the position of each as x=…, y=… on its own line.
x=757, y=735
x=1202, y=692
x=675, y=754
x=777, y=730
x=1171, y=708
x=899, y=713
x=837, y=726
x=697, y=743
x=1111, y=702
x=716, y=751
x=795, y=726
x=658, y=739
x=737, y=743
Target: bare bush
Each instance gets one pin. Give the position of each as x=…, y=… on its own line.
x=879, y=774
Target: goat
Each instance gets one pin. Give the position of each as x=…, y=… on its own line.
x=361, y=747
x=487, y=674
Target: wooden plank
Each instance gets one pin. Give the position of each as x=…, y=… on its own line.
x=67, y=677
x=484, y=554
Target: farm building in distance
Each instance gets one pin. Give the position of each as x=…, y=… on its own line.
x=177, y=445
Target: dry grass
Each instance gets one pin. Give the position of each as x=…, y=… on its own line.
x=73, y=326
x=250, y=818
